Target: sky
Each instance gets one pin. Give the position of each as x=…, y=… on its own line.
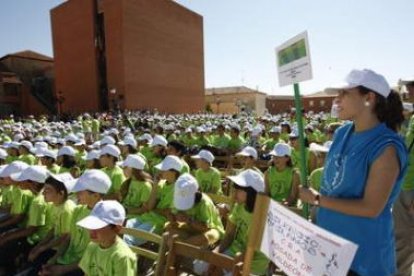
x=240, y=37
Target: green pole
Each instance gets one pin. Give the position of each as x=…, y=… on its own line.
x=302, y=165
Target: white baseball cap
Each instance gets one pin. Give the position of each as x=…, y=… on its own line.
x=275, y=129
x=408, y=106
x=170, y=162
x=14, y=167
x=281, y=149
x=147, y=137
x=47, y=153
x=111, y=150
x=33, y=173
x=66, y=150
x=93, y=154
x=185, y=189
x=366, y=78
x=205, y=155
x=67, y=180
x=104, y=213
x=130, y=141
x=248, y=151
x=249, y=178
x=134, y=161
x=93, y=180
x=159, y=140
x=107, y=140
x=3, y=154
x=320, y=148
x=27, y=144
x=71, y=138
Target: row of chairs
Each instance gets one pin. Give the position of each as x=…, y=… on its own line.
x=169, y=251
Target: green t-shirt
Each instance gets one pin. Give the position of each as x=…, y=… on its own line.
x=95, y=125
x=209, y=181
x=242, y=220
x=236, y=144
x=79, y=237
x=7, y=195
x=29, y=159
x=115, y=260
x=315, y=178
x=21, y=200
x=117, y=178
x=202, y=141
x=10, y=159
x=40, y=215
x=408, y=183
x=138, y=193
x=165, y=197
x=185, y=168
x=205, y=212
x=62, y=217
x=189, y=141
x=270, y=143
x=221, y=142
x=280, y=183
x=55, y=169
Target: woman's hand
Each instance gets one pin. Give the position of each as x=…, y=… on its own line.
x=307, y=195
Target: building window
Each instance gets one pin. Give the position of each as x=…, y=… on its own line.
x=311, y=103
x=322, y=103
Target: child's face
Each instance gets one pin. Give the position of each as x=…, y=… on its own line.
x=241, y=196
x=89, y=164
x=51, y=195
x=103, y=235
x=201, y=164
x=84, y=197
x=280, y=161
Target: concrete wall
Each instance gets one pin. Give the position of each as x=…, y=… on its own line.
x=74, y=55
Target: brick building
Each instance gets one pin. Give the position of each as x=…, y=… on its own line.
x=235, y=99
x=134, y=54
x=26, y=84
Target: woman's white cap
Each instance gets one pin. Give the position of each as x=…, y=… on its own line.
x=111, y=150
x=185, y=189
x=249, y=152
x=249, y=178
x=170, y=162
x=66, y=150
x=134, y=161
x=366, y=78
x=281, y=149
x=104, y=213
x=159, y=140
x=205, y=155
x=93, y=180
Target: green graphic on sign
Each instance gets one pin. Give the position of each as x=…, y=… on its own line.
x=294, y=52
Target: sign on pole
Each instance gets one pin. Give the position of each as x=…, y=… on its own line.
x=294, y=244
x=299, y=247
x=294, y=61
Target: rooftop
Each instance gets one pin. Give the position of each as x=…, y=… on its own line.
x=231, y=90
x=28, y=54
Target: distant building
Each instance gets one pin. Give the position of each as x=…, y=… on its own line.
x=317, y=102
x=26, y=84
x=235, y=99
x=133, y=54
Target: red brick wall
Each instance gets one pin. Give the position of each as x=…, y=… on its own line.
x=163, y=56
x=74, y=55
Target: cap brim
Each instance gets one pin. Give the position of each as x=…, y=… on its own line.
x=17, y=177
x=334, y=89
x=92, y=223
x=159, y=167
x=318, y=148
x=238, y=180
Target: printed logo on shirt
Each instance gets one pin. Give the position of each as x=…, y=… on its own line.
x=335, y=171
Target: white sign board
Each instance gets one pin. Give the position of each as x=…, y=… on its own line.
x=301, y=248
x=293, y=60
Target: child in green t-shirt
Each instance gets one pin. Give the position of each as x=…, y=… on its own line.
x=90, y=189
x=38, y=223
x=246, y=184
x=109, y=157
x=56, y=190
x=207, y=176
x=196, y=220
x=107, y=254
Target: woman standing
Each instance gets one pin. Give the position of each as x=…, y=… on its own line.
x=363, y=172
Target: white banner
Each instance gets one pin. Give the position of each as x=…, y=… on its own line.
x=300, y=248
x=293, y=60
